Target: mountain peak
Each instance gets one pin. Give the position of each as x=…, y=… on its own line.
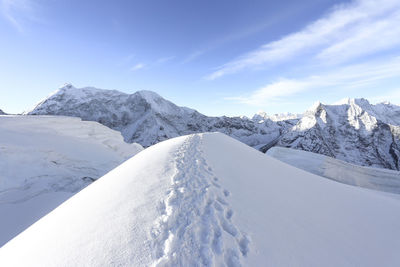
x=67, y=86
x=352, y=101
x=314, y=107
x=150, y=96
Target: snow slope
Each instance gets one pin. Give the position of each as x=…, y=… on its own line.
x=208, y=199
x=353, y=130
x=146, y=118
x=367, y=177
x=44, y=160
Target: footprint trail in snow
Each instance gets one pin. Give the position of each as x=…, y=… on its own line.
x=195, y=227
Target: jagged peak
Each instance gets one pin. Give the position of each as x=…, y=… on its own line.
x=66, y=86
x=315, y=107
x=352, y=101
x=148, y=94
x=261, y=113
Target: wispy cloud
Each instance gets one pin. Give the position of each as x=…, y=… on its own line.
x=18, y=12
x=348, y=31
x=148, y=65
x=193, y=56
x=353, y=76
x=137, y=67
x=238, y=34
x=164, y=60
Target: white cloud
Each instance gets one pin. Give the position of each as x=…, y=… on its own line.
x=193, y=56
x=348, y=31
x=354, y=76
x=163, y=60
x=18, y=12
x=137, y=67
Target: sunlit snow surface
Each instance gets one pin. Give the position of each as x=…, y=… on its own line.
x=367, y=177
x=44, y=160
x=208, y=199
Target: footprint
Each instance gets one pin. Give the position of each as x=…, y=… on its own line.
x=244, y=245
x=161, y=207
x=228, y=227
x=206, y=255
x=218, y=206
x=229, y=214
x=223, y=202
x=217, y=241
x=216, y=185
x=232, y=258
x=226, y=193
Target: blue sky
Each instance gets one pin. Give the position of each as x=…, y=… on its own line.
x=220, y=57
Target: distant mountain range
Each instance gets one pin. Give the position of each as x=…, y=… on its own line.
x=146, y=118
x=353, y=130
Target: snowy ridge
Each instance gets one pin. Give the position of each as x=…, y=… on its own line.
x=146, y=212
x=340, y=171
x=354, y=131
x=2, y=112
x=196, y=209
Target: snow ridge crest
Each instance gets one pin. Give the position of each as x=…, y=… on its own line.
x=195, y=212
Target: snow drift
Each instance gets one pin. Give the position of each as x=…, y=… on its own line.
x=367, y=177
x=44, y=160
x=208, y=199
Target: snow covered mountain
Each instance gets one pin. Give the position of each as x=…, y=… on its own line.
x=208, y=199
x=337, y=170
x=354, y=131
x=261, y=115
x=146, y=118
x=44, y=160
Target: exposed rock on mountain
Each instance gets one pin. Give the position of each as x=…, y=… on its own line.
x=354, y=131
x=146, y=118
x=2, y=112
